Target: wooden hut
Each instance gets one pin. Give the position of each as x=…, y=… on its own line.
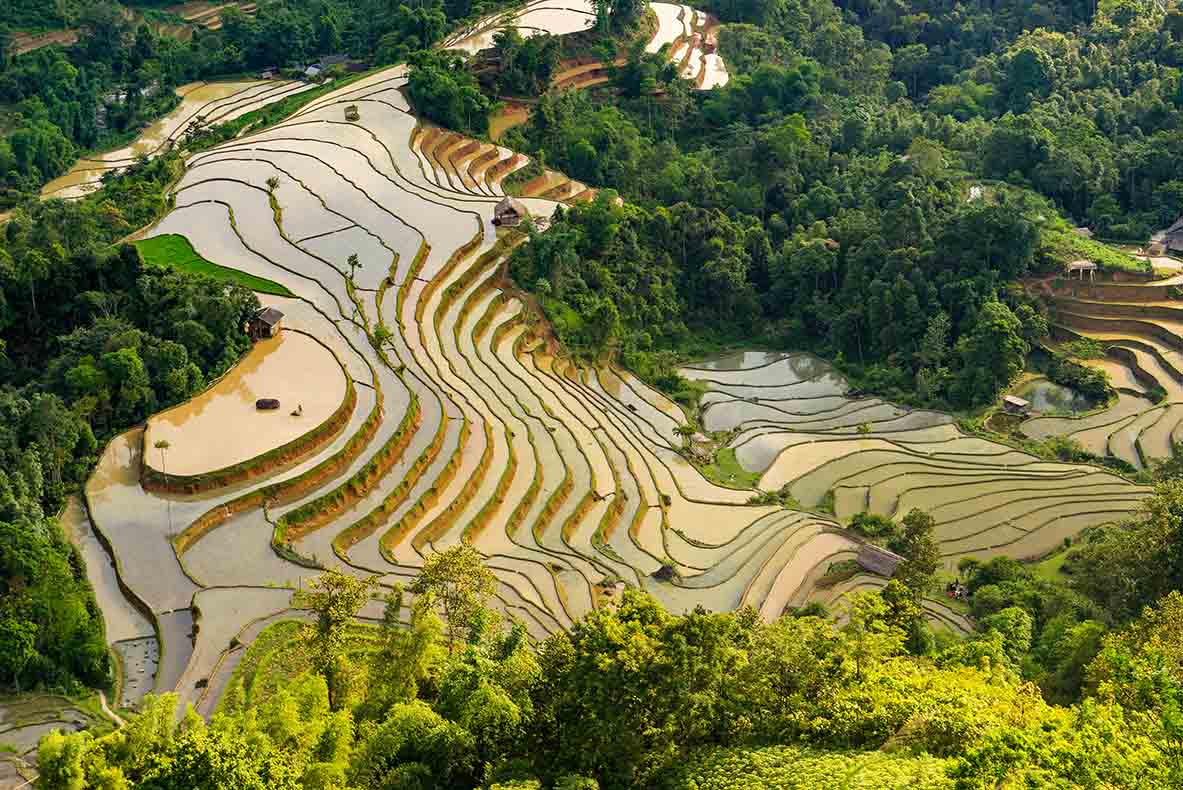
x=510, y=212
x=1080, y=267
x=878, y=560
x=1172, y=237
x=351, y=114
x=265, y=323
x=1013, y=404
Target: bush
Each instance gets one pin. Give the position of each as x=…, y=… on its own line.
x=1090, y=382
x=873, y=526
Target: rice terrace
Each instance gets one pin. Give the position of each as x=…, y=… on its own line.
x=464, y=421
x=413, y=378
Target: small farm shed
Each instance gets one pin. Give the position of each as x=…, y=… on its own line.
x=510, y=212
x=1084, y=233
x=878, y=560
x=1172, y=237
x=265, y=323
x=1015, y=405
x=1082, y=266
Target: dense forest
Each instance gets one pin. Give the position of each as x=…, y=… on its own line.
x=861, y=187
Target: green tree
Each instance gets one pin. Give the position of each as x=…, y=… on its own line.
x=991, y=356
x=335, y=599
x=922, y=558
x=457, y=581
x=868, y=636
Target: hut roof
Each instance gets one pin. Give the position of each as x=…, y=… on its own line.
x=269, y=316
x=1016, y=401
x=1076, y=266
x=511, y=205
x=878, y=560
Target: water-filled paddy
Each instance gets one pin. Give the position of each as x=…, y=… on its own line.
x=221, y=427
x=1048, y=397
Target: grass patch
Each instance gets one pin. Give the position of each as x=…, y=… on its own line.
x=1063, y=246
x=175, y=252
x=727, y=471
x=1084, y=348
x=1051, y=568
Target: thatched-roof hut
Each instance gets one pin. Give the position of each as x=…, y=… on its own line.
x=510, y=212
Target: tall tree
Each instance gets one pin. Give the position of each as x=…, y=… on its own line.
x=456, y=580
x=335, y=599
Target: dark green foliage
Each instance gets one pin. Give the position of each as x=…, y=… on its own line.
x=93, y=342
x=785, y=245
x=872, y=525
x=524, y=65
x=1062, y=635
x=1091, y=382
x=441, y=89
x=914, y=542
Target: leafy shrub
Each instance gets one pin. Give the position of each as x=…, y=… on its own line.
x=872, y=525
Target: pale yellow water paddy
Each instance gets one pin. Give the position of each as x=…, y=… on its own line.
x=221, y=427
x=807, y=557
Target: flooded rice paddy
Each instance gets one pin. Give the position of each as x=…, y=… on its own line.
x=470, y=424
x=222, y=427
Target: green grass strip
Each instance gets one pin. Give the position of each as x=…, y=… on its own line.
x=174, y=251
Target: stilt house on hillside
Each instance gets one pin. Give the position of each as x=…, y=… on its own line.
x=1079, y=268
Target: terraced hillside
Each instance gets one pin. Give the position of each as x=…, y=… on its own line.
x=1141, y=327
x=462, y=421
x=202, y=104
x=788, y=418
x=690, y=35
x=465, y=424
x=208, y=14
